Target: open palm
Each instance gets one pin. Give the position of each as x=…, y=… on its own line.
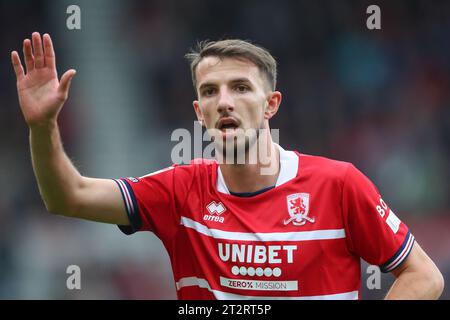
x=41, y=94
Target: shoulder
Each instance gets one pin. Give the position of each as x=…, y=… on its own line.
x=343, y=173
x=197, y=167
x=184, y=170
x=319, y=166
x=195, y=164
x=180, y=177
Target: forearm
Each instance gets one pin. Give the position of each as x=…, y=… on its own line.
x=41, y=97
x=56, y=176
x=416, y=286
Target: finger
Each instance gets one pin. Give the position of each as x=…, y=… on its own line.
x=28, y=55
x=18, y=69
x=39, y=61
x=66, y=80
x=49, y=51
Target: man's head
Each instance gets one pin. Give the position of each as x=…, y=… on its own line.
x=235, y=85
x=235, y=48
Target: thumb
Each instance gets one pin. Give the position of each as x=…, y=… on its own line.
x=66, y=80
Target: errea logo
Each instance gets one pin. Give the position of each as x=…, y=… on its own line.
x=215, y=210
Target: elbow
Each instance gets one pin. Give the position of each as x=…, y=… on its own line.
x=59, y=209
x=55, y=210
x=67, y=203
x=438, y=283
x=435, y=282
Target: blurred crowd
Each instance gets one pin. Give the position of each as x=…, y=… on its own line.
x=377, y=98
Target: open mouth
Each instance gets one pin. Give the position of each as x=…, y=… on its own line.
x=227, y=124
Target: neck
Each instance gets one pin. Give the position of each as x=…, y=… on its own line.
x=251, y=177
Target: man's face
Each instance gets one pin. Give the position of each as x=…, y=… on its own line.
x=233, y=97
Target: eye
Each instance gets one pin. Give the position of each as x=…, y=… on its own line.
x=242, y=88
x=209, y=92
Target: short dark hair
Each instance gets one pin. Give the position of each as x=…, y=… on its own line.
x=234, y=48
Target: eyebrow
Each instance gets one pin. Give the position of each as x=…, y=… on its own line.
x=234, y=81
x=241, y=80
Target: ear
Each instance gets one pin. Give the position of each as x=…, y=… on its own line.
x=198, y=112
x=273, y=103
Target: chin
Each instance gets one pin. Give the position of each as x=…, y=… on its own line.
x=235, y=150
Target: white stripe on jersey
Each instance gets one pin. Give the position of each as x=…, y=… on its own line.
x=127, y=196
x=157, y=172
x=220, y=295
x=273, y=236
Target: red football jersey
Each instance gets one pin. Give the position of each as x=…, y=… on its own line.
x=303, y=239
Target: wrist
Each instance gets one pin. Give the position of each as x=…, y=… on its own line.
x=43, y=126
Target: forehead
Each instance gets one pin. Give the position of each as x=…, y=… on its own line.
x=214, y=69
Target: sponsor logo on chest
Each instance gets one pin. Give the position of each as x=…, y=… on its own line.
x=250, y=253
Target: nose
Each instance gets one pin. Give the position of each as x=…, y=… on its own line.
x=226, y=103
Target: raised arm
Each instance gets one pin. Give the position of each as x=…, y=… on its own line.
x=41, y=96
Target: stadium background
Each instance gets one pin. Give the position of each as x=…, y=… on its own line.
x=379, y=99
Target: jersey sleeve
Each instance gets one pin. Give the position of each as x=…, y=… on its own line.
x=153, y=201
x=373, y=231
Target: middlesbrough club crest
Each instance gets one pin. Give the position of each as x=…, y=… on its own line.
x=298, y=209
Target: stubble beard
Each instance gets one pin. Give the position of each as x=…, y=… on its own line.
x=231, y=151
